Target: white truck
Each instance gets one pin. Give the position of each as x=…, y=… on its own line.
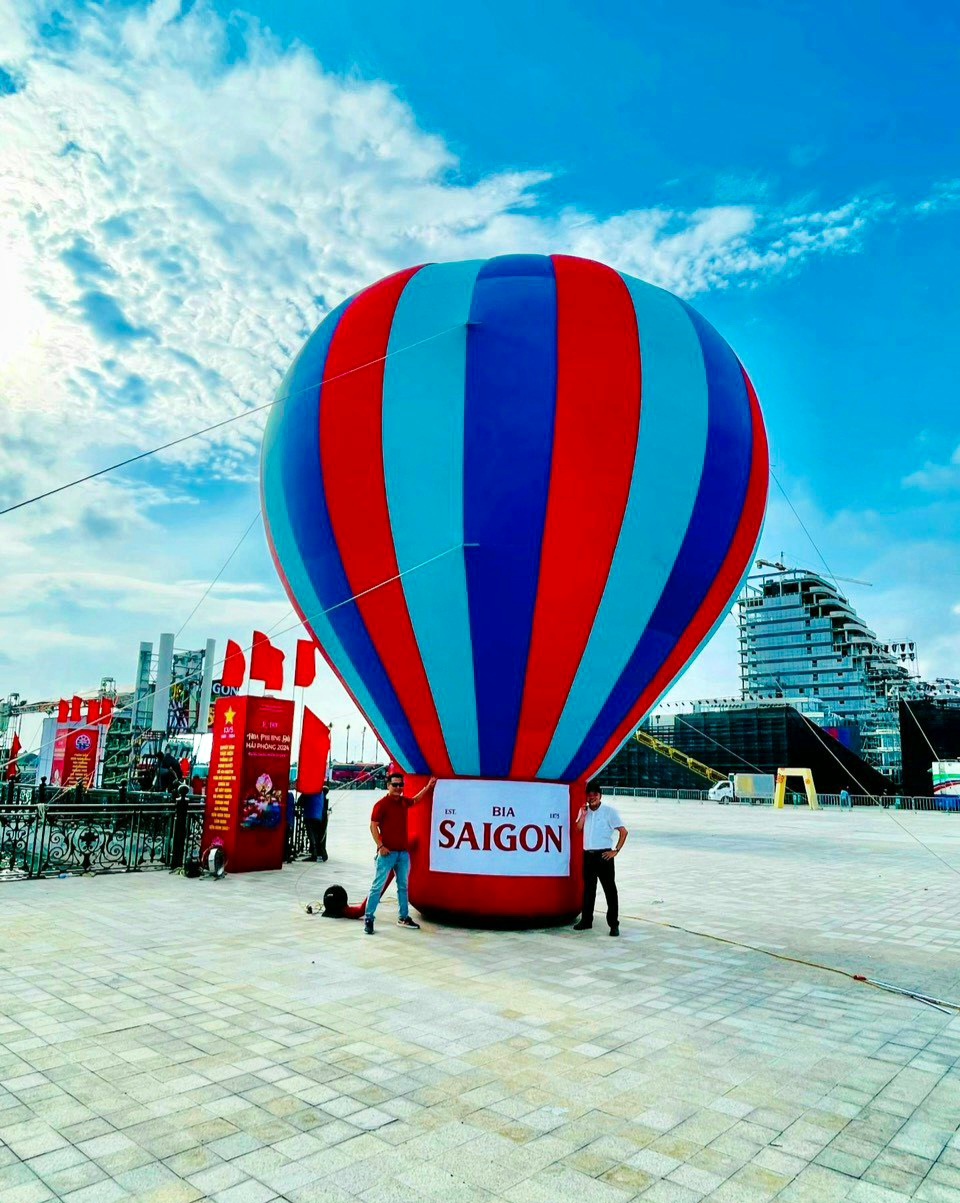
x=743, y=787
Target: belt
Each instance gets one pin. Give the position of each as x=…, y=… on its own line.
x=596, y=851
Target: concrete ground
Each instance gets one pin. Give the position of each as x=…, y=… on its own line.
x=175, y=1040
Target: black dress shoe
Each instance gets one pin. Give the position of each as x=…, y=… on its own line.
x=581, y=926
x=615, y=930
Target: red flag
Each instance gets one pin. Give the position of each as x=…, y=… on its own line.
x=266, y=662
x=63, y=711
x=234, y=666
x=106, y=711
x=306, y=671
x=314, y=753
x=93, y=711
x=75, y=705
x=15, y=749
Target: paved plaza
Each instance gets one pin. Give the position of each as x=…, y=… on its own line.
x=165, y=1039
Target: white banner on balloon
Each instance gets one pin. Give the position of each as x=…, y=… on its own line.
x=501, y=828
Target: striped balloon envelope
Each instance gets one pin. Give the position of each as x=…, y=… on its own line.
x=511, y=499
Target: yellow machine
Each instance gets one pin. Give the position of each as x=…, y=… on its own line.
x=781, y=787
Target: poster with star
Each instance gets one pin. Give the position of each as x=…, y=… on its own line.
x=248, y=781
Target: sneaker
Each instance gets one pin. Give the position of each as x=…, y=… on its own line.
x=615, y=930
x=581, y=926
x=408, y=922
x=368, y=926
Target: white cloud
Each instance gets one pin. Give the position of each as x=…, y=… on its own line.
x=945, y=195
x=174, y=224
x=936, y=478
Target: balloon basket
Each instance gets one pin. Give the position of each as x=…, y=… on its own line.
x=497, y=854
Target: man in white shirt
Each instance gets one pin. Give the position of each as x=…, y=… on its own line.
x=599, y=822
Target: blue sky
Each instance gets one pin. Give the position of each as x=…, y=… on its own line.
x=193, y=188
x=634, y=105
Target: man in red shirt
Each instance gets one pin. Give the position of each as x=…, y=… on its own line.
x=388, y=826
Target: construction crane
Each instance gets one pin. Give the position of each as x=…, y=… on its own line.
x=681, y=758
x=778, y=567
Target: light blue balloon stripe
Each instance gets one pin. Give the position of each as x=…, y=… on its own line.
x=423, y=455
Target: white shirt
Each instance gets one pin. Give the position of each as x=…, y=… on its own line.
x=599, y=827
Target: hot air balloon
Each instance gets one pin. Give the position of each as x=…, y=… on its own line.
x=511, y=499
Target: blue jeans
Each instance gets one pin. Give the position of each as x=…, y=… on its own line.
x=399, y=862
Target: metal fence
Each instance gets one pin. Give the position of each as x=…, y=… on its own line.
x=98, y=834
x=943, y=803
x=106, y=831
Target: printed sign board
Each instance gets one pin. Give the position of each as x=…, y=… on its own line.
x=80, y=756
x=509, y=828
x=248, y=781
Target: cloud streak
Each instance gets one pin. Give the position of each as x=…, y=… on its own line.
x=936, y=478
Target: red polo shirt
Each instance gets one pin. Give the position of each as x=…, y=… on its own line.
x=390, y=814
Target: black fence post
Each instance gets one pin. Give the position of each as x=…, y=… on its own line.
x=179, y=828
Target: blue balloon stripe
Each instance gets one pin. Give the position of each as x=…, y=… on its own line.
x=716, y=516
x=509, y=416
x=670, y=454
x=293, y=490
x=423, y=455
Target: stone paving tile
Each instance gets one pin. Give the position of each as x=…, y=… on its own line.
x=306, y=1063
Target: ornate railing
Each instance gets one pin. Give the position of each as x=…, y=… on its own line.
x=48, y=833
x=99, y=834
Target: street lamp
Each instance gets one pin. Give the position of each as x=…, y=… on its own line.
x=347, y=756
x=363, y=738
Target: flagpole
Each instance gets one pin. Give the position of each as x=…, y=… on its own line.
x=300, y=731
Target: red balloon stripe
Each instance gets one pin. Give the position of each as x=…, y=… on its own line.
x=594, y=447
x=351, y=417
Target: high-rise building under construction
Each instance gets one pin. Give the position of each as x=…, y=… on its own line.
x=801, y=638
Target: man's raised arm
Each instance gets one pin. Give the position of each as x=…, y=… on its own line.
x=427, y=792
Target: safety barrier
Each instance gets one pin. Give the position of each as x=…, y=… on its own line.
x=943, y=803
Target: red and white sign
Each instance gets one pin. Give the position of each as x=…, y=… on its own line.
x=500, y=828
x=80, y=756
x=248, y=781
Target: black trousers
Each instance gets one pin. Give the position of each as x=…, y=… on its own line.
x=595, y=869
x=317, y=837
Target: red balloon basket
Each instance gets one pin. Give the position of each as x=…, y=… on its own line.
x=496, y=854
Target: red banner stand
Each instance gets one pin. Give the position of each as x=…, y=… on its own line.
x=502, y=854
x=248, y=782
x=80, y=748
